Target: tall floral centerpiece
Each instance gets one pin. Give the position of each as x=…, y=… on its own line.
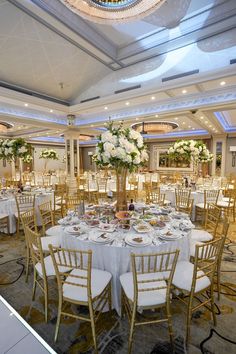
x=191, y=151
x=48, y=154
x=122, y=149
x=11, y=149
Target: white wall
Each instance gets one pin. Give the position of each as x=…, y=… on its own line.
x=51, y=164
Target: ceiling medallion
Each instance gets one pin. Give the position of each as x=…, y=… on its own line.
x=112, y=11
x=154, y=128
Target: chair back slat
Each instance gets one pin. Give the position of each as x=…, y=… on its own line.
x=161, y=268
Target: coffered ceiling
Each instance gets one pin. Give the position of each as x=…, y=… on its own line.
x=177, y=64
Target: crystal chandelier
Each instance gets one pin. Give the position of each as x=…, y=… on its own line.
x=112, y=11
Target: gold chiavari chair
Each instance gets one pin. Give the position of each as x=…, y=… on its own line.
x=47, y=218
x=210, y=227
x=218, y=267
x=210, y=196
x=61, y=187
x=43, y=266
x=183, y=202
x=83, y=285
x=227, y=205
x=23, y=204
x=102, y=188
x=148, y=287
x=133, y=187
x=58, y=205
x=197, y=279
x=72, y=202
x=147, y=185
x=4, y=222
x=223, y=235
x=28, y=219
x=157, y=197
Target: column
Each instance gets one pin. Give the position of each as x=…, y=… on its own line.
x=71, y=142
x=219, y=149
x=13, y=169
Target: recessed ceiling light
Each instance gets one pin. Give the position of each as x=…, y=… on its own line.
x=51, y=110
x=201, y=117
x=222, y=83
x=26, y=104
x=176, y=118
x=91, y=125
x=193, y=128
x=189, y=126
x=210, y=125
x=136, y=118
x=153, y=98
x=183, y=123
x=184, y=91
x=216, y=131
x=58, y=131
x=106, y=108
x=127, y=103
x=156, y=116
x=206, y=121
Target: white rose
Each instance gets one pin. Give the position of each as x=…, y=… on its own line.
x=136, y=160
x=108, y=147
x=134, y=135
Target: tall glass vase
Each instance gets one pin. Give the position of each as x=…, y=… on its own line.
x=121, y=174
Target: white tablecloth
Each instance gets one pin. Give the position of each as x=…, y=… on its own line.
x=9, y=207
x=116, y=260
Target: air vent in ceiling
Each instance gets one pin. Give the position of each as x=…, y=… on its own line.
x=128, y=89
x=232, y=61
x=178, y=76
x=90, y=99
x=32, y=93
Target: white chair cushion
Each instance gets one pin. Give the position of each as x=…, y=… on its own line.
x=50, y=271
x=99, y=280
x=146, y=298
x=184, y=275
x=200, y=205
x=193, y=244
x=225, y=199
x=167, y=202
x=200, y=235
x=3, y=216
x=54, y=231
x=224, y=204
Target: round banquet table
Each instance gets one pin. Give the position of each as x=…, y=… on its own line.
x=116, y=258
x=8, y=206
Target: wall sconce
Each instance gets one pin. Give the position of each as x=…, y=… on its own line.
x=233, y=150
x=90, y=154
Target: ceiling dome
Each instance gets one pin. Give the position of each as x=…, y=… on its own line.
x=112, y=11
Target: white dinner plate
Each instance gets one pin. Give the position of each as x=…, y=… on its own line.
x=138, y=240
x=102, y=238
x=76, y=229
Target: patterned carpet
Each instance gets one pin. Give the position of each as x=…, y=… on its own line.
x=75, y=337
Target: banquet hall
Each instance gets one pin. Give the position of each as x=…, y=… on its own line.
x=117, y=176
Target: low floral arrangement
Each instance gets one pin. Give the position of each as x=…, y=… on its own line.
x=120, y=147
x=10, y=149
x=49, y=154
x=27, y=158
x=190, y=150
